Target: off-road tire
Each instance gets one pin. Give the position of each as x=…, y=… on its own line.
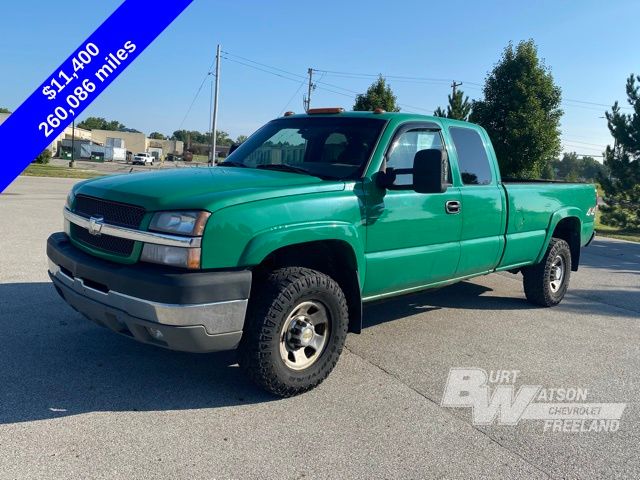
x=272, y=300
x=537, y=287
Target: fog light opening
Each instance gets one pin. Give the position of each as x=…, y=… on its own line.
x=155, y=333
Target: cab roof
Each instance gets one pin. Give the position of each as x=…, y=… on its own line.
x=397, y=116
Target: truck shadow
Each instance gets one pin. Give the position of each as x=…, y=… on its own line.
x=54, y=363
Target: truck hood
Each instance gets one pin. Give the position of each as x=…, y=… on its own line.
x=208, y=188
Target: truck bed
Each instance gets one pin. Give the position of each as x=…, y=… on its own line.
x=529, y=203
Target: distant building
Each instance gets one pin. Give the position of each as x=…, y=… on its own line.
x=105, y=142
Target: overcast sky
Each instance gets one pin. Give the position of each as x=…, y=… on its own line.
x=590, y=46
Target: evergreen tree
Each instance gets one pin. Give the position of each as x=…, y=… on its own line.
x=622, y=185
x=458, y=108
x=379, y=95
x=521, y=113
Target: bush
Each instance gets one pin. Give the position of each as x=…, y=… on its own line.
x=44, y=157
x=623, y=209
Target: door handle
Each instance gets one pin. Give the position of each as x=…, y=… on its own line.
x=452, y=207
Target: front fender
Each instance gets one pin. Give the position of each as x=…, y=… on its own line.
x=265, y=242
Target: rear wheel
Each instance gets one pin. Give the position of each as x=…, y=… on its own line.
x=546, y=283
x=295, y=331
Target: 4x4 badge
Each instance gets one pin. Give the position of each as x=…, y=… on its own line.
x=95, y=225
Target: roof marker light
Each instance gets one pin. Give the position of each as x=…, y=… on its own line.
x=318, y=111
x=289, y=113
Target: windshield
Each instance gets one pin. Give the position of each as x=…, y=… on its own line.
x=327, y=147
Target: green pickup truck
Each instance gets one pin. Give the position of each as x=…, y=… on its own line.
x=275, y=250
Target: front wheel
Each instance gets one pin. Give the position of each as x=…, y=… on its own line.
x=546, y=283
x=295, y=331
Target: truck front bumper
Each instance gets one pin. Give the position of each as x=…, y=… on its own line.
x=179, y=310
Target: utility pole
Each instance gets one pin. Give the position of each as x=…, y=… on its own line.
x=307, y=100
x=214, y=120
x=73, y=144
x=454, y=86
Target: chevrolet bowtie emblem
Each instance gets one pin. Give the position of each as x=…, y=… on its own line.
x=95, y=224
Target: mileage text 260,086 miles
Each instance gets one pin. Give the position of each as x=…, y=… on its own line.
x=58, y=83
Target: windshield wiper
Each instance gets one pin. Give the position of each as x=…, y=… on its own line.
x=285, y=167
x=231, y=163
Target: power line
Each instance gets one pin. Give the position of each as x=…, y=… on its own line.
x=588, y=155
x=292, y=97
x=583, y=143
x=263, y=70
x=397, y=77
x=566, y=144
x=594, y=103
x=264, y=65
x=405, y=78
x=195, y=97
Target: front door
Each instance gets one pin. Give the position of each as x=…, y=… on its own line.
x=413, y=239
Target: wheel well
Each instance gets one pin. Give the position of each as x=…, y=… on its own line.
x=568, y=229
x=331, y=257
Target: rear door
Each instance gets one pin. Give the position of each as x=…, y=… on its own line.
x=483, y=208
x=412, y=240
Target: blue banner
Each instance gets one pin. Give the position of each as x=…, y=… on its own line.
x=80, y=79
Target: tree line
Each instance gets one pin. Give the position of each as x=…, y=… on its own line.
x=520, y=109
x=196, y=142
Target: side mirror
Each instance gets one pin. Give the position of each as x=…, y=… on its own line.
x=429, y=171
x=233, y=148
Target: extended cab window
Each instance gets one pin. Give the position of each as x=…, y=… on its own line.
x=327, y=147
x=406, y=146
x=472, y=156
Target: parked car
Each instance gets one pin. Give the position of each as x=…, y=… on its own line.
x=274, y=251
x=143, y=158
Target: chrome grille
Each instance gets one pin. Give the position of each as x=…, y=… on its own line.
x=114, y=213
x=107, y=243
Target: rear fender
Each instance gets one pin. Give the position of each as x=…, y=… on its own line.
x=556, y=218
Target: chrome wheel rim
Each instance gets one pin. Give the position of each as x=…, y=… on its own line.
x=556, y=274
x=304, y=335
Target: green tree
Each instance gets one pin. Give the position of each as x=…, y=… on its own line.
x=591, y=170
x=191, y=136
x=157, y=136
x=458, y=108
x=378, y=95
x=521, y=112
x=4, y=110
x=43, y=157
x=241, y=139
x=569, y=167
x=223, y=139
x=100, y=123
x=574, y=168
x=622, y=184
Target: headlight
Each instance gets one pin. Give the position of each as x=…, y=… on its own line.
x=181, y=223
x=174, y=256
x=70, y=199
x=188, y=223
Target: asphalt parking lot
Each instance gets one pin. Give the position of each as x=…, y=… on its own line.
x=80, y=402
x=118, y=167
